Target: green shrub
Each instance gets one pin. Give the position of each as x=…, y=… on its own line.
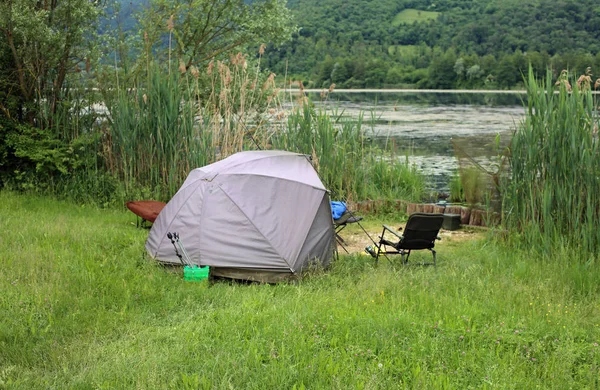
x=33, y=158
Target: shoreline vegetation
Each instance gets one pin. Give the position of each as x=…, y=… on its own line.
x=406, y=90
x=135, y=151
x=409, y=90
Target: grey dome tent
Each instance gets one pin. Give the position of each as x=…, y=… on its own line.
x=256, y=215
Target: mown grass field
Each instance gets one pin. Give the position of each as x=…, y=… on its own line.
x=413, y=15
x=82, y=308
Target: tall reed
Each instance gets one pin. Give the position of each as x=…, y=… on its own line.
x=347, y=161
x=553, y=196
x=152, y=141
x=170, y=123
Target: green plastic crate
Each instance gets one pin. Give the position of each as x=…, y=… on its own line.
x=194, y=273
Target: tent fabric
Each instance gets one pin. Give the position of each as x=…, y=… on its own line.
x=256, y=210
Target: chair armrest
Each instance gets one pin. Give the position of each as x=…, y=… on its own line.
x=391, y=230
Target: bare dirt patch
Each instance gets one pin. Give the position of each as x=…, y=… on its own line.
x=356, y=239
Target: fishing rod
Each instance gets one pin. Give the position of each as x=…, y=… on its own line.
x=171, y=237
x=183, y=255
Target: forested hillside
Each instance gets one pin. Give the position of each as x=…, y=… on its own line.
x=430, y=44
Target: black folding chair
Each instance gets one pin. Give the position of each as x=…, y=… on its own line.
x=341, y=223
x=420, y=232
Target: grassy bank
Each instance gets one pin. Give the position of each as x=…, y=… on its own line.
x=82, y=308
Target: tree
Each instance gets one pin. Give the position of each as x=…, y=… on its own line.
x=375, y=73
x=441, y=70
x=204, y=29
x=342, y=70
x=474, y=73
x=506, y=72
x=43, y=42
x=395, y=76
x=459, y=67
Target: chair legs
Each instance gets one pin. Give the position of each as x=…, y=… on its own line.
x=407, y=253
x=341, y=242
x=339, y=238
x=404, y=254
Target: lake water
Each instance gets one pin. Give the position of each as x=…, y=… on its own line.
x=421, y=125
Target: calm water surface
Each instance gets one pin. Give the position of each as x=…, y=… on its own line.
x=421, y=125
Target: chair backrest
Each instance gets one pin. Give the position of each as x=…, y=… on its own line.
x=421, y=231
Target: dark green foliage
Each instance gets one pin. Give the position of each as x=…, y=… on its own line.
x=41, y=151
x=57, y=136
x=33, y=158
x=8, y=164
x=9, y=101
x=496, y=40
x=442, y=73
x=356, y=44
x=44, y=46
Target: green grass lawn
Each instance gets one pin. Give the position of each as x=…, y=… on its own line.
x=81, y=307
x=413, y=15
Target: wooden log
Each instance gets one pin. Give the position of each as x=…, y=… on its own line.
x=401, y=205
x=439, y=209
x=428, y=208
x=411, y=208
x=476, y=217
x=453, y=210
x=374, y=205
x=465, y=215
x=490, y=219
